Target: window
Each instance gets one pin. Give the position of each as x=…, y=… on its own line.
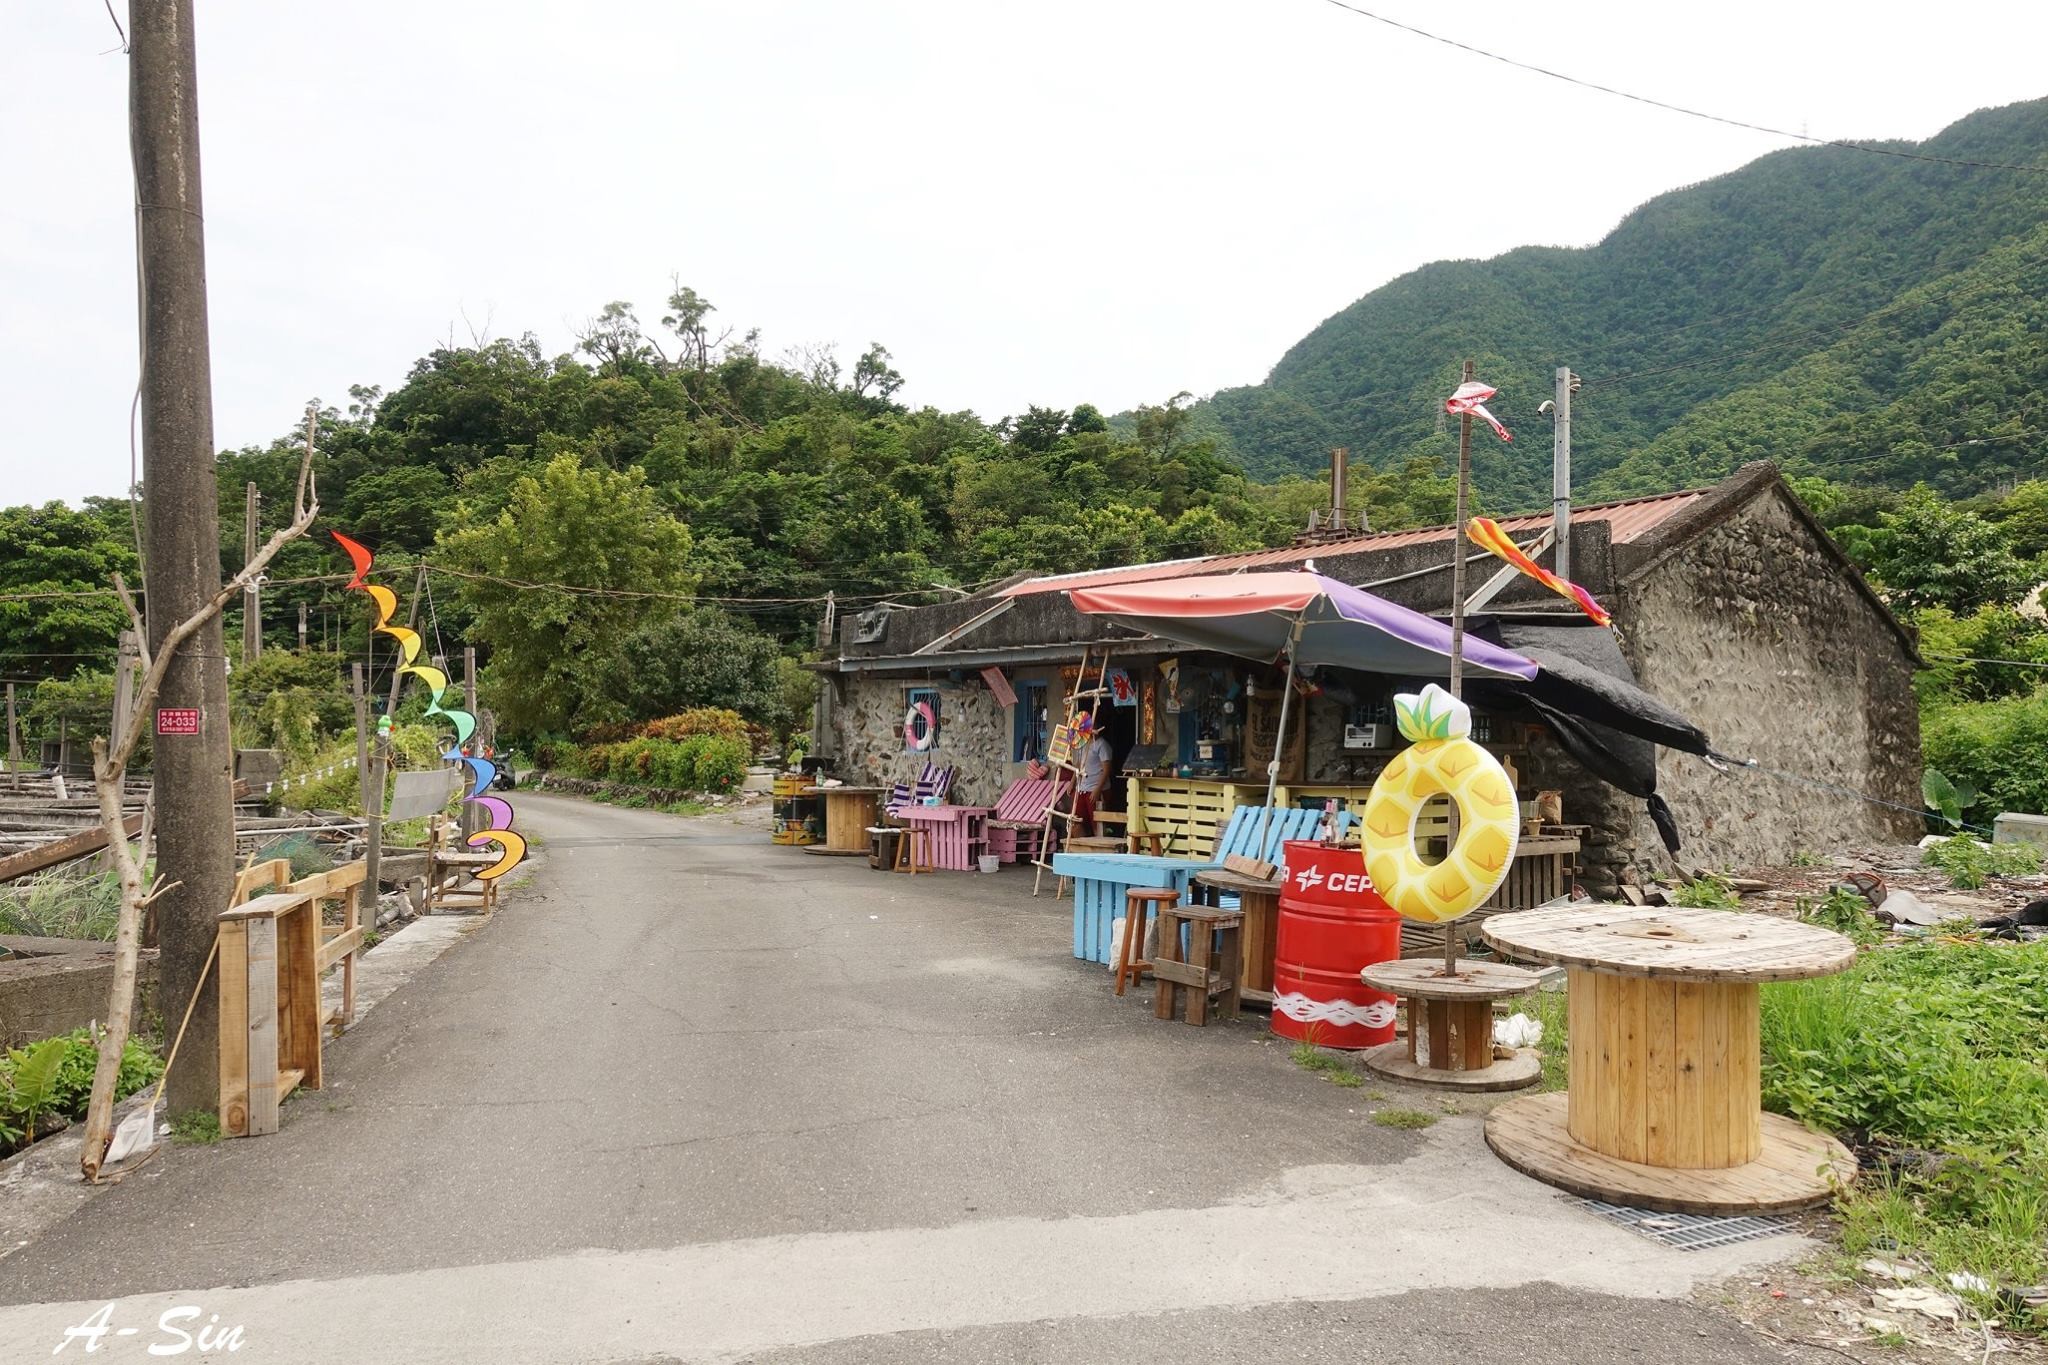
x=1028, y=723
x=921, y=720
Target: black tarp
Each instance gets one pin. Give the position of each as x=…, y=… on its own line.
x=1588, y=697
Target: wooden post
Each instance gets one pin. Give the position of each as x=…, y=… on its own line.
x=13, y=745
x=252, y=596
x=373, y=830
x=471, y=813
x=1458, y=551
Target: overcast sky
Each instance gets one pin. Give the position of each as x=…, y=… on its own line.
x=1068, y=201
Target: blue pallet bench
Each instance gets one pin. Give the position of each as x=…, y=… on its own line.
x=1101, y=879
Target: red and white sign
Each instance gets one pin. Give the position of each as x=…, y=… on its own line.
x=177, y=720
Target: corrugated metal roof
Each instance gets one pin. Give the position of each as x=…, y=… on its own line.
x=1626, y=521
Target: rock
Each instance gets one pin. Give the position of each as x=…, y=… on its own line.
x=1890, y=1270
x=1903, y=907
x=1929, y=1303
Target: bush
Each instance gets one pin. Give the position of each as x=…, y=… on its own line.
x=69, y=1091
x=701, y=720
x=722, y=765
x=1996, y=747
x=1969, y=864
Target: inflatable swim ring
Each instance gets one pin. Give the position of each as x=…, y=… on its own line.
x=920, y=727
x=1442, y=759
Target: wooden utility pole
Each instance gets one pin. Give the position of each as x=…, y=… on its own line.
x=371, y=783
x=252, y=600
x=13, y=745
x=195, y=820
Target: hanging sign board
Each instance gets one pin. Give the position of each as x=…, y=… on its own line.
x=1059, y=750
x=177, y=720
x=999, y=686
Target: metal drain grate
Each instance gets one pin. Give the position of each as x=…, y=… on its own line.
x=1690, y=1231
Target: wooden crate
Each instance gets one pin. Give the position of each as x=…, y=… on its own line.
x=1187, y=810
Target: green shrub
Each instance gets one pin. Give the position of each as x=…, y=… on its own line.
x=54, y=1076
x=1706, y=892
x=722, y=765
x=1995, y=747
x=675, y=765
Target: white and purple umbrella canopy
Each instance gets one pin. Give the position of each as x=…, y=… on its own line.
x=1257, y=616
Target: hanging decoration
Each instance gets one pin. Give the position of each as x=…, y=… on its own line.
x=481, y=772
x=1122, y=691
x=1487, y=535
x=921, y=726
x=1471, y=398
x=1440, y=760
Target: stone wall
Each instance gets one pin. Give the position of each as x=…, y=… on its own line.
x=975, y=733
x=63, y=986
x=1755, y=630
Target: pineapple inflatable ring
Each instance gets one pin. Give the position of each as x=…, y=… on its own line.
x=1442, y=760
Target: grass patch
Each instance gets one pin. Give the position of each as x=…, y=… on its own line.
x=67, y=902
x=1707, y=892
x=198, y=1128
x=1548, y=1009
x=1847, y=913
x=1329, y=1066
x=1936, y=1056
x=1968, y=864
x=1403, y=1118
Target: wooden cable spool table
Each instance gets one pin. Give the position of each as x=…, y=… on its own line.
x=1450, y=1024
x=849, y=812
x=1665, y=1110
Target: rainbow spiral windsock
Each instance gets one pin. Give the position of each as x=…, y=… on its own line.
x=481, y=771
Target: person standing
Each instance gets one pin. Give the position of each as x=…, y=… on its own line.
x=1096, y=762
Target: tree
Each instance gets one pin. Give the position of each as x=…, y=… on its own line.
x=696, y=658
x=687, y=310
x=873, y=371
x=1930, y=553
x=550, y=650
x=613, y=338
x=66, y=559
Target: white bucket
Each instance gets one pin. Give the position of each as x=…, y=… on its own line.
x=990, y=862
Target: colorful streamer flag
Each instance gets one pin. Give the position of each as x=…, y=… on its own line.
x=1471, y=398
x=481, y=771
x=1487, y=535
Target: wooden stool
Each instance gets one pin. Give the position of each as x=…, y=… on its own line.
x=1138, y=902
x=1212, y=937
x=1152, y=841
x=914, y=850
x=882, y=844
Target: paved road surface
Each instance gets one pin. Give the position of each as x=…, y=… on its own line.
x=693, y=1097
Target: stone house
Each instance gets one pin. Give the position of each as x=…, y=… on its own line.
x=1730, y=604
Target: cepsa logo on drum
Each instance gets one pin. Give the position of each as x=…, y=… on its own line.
x=1338, y=883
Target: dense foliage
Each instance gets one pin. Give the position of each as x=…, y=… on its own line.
x=1829, y=309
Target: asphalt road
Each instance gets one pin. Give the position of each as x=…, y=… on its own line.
x=689, y=1096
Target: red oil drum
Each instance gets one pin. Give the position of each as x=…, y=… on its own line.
x=1332, y=925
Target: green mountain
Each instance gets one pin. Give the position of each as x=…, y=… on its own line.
x=1844, y=313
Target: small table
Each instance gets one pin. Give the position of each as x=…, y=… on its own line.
x=1260, y=903
x=849, y=811
x=1665, y=1105
x=955, y=833
x=1450, y=1024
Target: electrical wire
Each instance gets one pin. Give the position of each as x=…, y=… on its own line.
x=1677, y=108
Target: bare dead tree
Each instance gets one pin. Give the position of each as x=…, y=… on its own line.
x=110, y=764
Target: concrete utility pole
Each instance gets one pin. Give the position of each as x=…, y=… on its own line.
x=302, y=627
x=1458, y=550
x=195, y=835
x=1561, y=472
x=13, y=745
x=252, y=598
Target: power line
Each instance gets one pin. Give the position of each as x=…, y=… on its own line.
x=1677, y=108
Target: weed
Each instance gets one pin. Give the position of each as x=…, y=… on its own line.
x=200, y=1127
x=54, y=1076
x=1847, y=913
x=1806, y=857
x=1331, y=1067
x=1375, y=1094
x=1402, y=1118
x=1450, y=1106
x=371, y=938
x=1968, y=864
x=72, y=902
x=1550, y=1010
x=1706, y=892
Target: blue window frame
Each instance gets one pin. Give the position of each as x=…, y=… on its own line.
x=1028, y=726
x=927, y=697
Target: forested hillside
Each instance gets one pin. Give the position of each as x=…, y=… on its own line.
x=1823, y=307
